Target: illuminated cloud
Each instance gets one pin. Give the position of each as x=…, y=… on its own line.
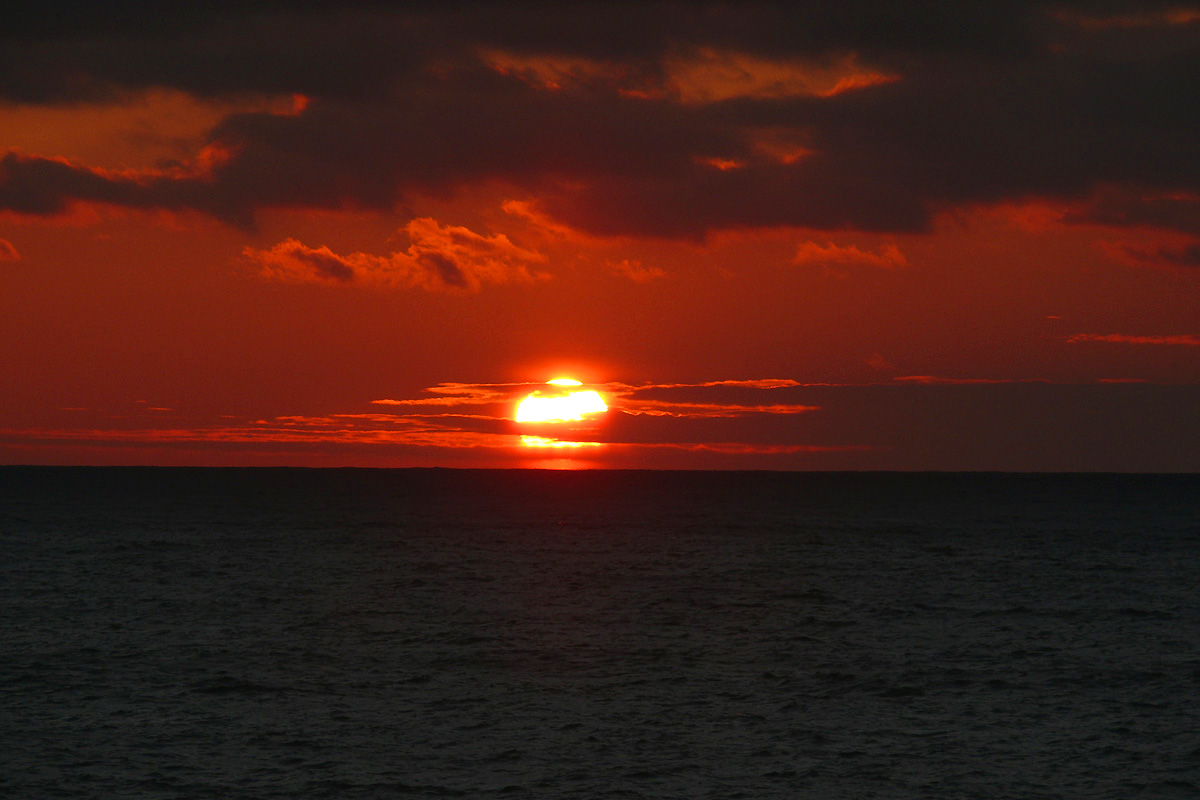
x=710, y=76
x=1185, y=340
x=8, y=252
x=888, y=257
x=438, y=257
x=462, y=394
x=724, y=398
x=36, y=185
x=690, y=415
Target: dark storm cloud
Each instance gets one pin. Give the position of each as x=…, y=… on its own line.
x=979, y=103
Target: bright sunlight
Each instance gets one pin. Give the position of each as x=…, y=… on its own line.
x=560, y=406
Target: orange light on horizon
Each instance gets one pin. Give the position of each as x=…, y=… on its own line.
x=543, y=441
x=557, y=406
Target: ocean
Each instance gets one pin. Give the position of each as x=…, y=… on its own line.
x=261, y=633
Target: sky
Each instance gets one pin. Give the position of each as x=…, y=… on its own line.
x=806, y=236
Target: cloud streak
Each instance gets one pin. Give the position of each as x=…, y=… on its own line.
x=1181, y=340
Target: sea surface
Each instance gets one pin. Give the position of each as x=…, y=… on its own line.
x=211, y=633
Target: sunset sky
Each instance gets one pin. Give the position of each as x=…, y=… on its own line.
x=852, y=235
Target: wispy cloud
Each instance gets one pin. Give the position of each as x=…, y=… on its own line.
x=711, y=75
x=1175, y=255
x=942, y=380
x=8, y=252
x=762, y=383
x=636, y=271
x=480, y=415
x=1174, y=15
x=687, y=400
x=894, y=425
x=1185, y=339
x=888, y=257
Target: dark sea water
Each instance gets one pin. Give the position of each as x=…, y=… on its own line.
x=175, y=633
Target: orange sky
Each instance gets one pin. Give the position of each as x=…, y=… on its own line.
x=972, y=244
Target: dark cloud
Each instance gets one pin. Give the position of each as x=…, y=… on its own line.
x=42, y=186
x=64, y=51
x=1134, y=207
x=594, y=112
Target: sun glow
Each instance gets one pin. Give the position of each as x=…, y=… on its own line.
x=562, y=406
x=542, y=441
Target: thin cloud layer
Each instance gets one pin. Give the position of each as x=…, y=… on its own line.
x=724, y=398
x=856, y=427
x=643, y=119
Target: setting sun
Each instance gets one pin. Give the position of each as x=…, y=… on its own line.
x=561, y=406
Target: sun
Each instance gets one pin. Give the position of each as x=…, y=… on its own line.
x=563, y=405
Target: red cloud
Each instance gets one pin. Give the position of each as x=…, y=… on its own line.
x=889, y=257
x=709, y=75
x=8, y=252
x=438, y=257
